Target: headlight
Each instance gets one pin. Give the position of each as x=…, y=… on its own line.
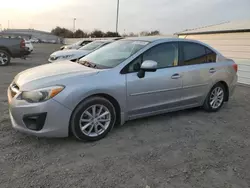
x=40, y=95
x=53, y=58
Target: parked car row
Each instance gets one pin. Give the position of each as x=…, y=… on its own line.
x=74, y=54
x=120, y=81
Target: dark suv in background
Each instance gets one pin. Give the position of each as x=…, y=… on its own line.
x=11, y=48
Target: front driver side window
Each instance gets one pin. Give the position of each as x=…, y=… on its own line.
x=166, y=55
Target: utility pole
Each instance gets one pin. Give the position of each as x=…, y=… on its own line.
x=117, y=15
x=74, y=24
x=8, y=24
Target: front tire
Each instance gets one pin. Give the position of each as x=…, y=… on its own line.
x=4, y=58
x=93, y=119
x=215, y=98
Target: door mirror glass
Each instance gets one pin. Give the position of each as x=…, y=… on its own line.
x=149, y=66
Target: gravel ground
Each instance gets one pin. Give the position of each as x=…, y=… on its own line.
x=184, y=149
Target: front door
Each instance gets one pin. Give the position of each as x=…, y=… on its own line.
x=157, y=91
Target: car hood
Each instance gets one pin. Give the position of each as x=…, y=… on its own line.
x=72, y=53
x=51, y=72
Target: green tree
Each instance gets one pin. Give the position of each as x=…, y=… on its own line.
x=62, y=32
x=80, y=34
x=97, y=34
x=112, y=34
x=151, y=33
x=156, y=32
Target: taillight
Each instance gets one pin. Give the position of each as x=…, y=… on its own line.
x=22, y=44
x=235, y=66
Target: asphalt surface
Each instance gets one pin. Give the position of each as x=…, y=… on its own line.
x=183, y=149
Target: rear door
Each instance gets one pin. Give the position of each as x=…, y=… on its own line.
x=198, y=65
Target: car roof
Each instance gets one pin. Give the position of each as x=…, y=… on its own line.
x=159, y=38
x=169, y=39
x=148, y=38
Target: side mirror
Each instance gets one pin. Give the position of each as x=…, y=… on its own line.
x=147, y=66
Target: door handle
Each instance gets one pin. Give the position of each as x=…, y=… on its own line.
x=175, y=76
x=212, y=70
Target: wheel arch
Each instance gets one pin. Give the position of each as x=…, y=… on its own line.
x=6, y=50
x=113, y=101
x=110, y=98
x=226, y=89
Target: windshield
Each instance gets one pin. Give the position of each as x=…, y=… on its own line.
x=113, y=54
x=92, y=45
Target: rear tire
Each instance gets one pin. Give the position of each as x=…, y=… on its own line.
x=215, y=98
x=4, y=58
x=93, y=119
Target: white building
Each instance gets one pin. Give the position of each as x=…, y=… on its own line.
x=232, y=39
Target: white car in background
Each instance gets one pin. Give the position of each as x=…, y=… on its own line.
x=29, y=46
x=76, y=45
x=74, y=55
x=34, y=40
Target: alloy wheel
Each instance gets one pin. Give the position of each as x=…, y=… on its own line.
x=3, y=58
x=95, y=120
x=216, y=97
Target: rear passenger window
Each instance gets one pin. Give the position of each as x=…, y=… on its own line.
x=211, y=56
x=193, y=54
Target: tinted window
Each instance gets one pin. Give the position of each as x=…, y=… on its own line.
x=193, y=54
x=166, y=55
x=211, y=55
x=135, y=65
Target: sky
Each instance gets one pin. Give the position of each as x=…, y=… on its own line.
x=168, y=16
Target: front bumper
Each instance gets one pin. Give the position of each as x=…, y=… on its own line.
x=57, y=119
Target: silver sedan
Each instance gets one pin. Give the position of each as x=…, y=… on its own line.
x=125, y=80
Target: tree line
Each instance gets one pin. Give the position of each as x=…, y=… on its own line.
x=66, y=33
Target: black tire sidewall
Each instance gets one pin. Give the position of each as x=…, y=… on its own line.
x=74, y=125
x=8, y=55
x=207, y=105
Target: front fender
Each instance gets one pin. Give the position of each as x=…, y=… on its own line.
x=77, y=92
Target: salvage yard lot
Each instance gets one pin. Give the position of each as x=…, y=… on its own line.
x=190, y=148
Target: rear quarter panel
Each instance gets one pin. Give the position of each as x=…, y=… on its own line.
x=224, y=72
